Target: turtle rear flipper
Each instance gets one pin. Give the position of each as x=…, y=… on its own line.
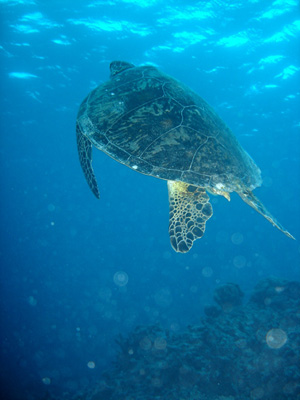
x=189, y=210
x=255, y=203
x=84, y=147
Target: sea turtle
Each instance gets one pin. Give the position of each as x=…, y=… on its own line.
x=159, y=127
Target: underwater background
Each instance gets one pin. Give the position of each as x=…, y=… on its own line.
x=76, y=272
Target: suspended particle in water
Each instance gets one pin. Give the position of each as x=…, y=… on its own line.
x=156, y=382
x=267, y=182
x=207, y=272
x=145, y=343
x=257, y=393
x=194, y=289
x=163, y=297
x=121, y=278
x=160, y=343
x=91, y=365
x=51, y=207
x=239, y=261
x=46, y=381
x=32, y=301
x=276, y=338
x=237, y=238
x=167, y=255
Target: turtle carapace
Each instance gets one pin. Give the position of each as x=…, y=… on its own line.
x=155, y=125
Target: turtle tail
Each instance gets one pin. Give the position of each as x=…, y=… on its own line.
x=255, y=203
x=84, y=147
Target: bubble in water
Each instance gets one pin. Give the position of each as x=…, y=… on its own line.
x=51, y=207
x=46, y=381
x=222, y=237
x=163, y=297
x=207, y=272
x=267, y=182
x=73, y=232
x=276, y=338
x=239, y=261
x=194, y=289
x=32, y=301
x=156, y=382
x=257, y=393
x=167, y=255
x=160, y=343
x=105, y=293
x=290, y=388
x=145, y=343
x=91, y=364
x=121, y=278
x=241, y=343
x=174, y=327
x=237, y=238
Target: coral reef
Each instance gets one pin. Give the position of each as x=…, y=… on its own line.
x=228, y=296
x=236, y=352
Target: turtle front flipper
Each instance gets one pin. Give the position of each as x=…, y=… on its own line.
x=255, y=203
x=84, y=147
x=189, y=210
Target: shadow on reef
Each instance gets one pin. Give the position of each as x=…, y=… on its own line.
x=236, y=352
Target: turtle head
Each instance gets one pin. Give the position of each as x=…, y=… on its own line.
x=119, y=66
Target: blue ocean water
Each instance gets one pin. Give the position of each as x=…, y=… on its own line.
x=66, y=256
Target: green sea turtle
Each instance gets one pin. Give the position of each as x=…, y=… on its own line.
x=159, y=127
